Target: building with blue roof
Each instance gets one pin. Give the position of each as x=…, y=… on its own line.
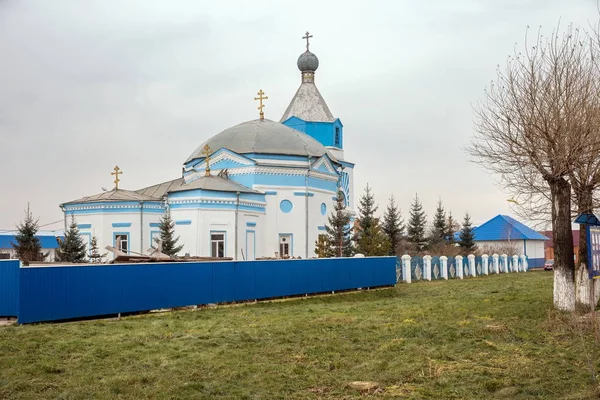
x=503, y=231
x=48, y=240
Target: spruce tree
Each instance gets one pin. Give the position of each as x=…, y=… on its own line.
x=27, y=245
x=451, y=228
x=337, y=240
x=438, y=231
x=416, y=225
x=467, y=237
x=72, y=248
x=95, y=256
x=166, y=226
x=323, y=247
x=370, y=239
x=393, y=225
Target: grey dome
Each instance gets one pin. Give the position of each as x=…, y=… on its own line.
x=264, y=137
x=308, y=62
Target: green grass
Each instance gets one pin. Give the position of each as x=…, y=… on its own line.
x=481, y=338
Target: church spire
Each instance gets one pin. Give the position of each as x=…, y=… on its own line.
x=308, y=62
x=308, y=104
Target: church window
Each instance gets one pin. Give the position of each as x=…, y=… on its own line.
x=337, y=135
x=217, y=244
x=122, y=242
x=285, y=245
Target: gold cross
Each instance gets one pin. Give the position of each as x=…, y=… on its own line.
x=308, y=36
x=207, y=151
x=116, y=174
x=261, y=98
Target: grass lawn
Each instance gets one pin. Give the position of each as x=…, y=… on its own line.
x=481, y=338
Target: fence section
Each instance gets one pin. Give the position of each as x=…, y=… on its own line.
x=9, y=288
x=410, y=269
x=59, y=293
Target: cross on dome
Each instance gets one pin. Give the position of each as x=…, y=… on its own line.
x=260, y=98
x=207, y=151
x=307, y=36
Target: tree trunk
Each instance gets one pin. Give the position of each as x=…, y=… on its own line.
x=564, y=265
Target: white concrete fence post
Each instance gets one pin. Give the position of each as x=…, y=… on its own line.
x=516, y=263
x=524, y=263
x=406, y=268
x=459, y=266
x=427, y=267
x=484, y=264
x=471, y=258
x=444, y=267
x=496, y=262
x=505, y=262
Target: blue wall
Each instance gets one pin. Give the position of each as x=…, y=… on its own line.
x=9, y=288
x=324, y=132
x=57, y=293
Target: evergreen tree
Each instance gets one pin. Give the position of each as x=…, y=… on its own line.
x=416, y=225
x=439, y=230
x=366, y=210
x=28, y=246
x=337, y=240
x=467, y=237
x=373, y=241
x=95, y=256
x=370, y=239
x=166, y=225
x=451, y=228
x=323, y=247
x=393, y=225
x=72, y=248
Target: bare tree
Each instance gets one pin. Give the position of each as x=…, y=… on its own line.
x=531, y=130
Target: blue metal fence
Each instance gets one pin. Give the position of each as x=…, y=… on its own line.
x=9, y=288
x=58, y=293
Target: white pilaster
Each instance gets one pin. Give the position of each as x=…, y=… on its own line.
x=444, y=267
x=496, y=262
x=505, y=262
x=524, y=263
x=484, y=264
x=471, y=259
x=406, y=268
x=515, y=263
x=427, y=267
x=459, y=267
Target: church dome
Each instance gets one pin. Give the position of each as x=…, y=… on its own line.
x=263, y=137
x=308, y=62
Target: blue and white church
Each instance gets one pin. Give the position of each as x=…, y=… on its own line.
x=258, y=189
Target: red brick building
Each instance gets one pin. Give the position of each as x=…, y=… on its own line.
x=549, y=245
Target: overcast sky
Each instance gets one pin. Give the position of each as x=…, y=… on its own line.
x=85, y=85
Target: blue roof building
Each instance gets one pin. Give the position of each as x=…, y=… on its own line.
x=48, y=240
x=503, y=231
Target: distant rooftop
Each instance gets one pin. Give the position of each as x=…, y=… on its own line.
x=503, y=227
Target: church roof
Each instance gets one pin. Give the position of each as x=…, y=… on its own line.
x=113, y=195
x=214, y=183
x=161, y=189
x=308, y=105
x=264, y=137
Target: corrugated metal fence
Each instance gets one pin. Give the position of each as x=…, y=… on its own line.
x=9, y=288
x=66, y=292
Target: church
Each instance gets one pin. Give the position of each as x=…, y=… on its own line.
x=258, y=189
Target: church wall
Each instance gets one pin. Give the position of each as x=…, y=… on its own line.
x=194, y=226
x=278, y=222
x=105, y=225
